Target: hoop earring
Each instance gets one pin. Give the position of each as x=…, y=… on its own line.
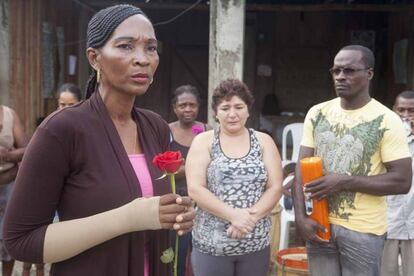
x=98, y=76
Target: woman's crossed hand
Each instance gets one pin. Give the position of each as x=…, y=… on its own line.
x=243, y=222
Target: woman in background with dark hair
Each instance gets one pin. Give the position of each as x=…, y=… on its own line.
x=92, y=163
x=234, y=174
x=68, y=94
x=186, y=104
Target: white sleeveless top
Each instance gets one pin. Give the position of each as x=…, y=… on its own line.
x=6, y=135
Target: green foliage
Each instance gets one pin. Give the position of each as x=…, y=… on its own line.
x=370, y=134
x=339, y=201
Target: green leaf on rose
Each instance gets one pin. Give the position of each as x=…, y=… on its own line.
x=167, y=256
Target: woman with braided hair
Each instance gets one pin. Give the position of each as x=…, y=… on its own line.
x=91, y=162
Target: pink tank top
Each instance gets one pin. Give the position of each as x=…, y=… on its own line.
x=141, y=170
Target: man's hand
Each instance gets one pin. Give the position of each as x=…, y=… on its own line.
x=325, y=185
x=308, y=229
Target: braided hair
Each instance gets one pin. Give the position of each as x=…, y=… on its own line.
x=100, y=29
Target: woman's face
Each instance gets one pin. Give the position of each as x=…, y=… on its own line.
x=186, y=108
x=66, y=98
x=232, y=114
x=129, y=59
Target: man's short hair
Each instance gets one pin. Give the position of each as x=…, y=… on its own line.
x=408, y=94
x=368, y=57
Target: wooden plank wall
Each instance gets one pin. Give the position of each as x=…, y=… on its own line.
x=400, y=27
x=299, y=47
x=303, y=46
x=63, y=13
x=26, y=19
x=183, y=60
x=25, y=60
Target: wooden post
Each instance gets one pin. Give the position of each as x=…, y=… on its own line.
x=226, y=44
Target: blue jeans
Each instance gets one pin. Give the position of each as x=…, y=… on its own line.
x=349, y=253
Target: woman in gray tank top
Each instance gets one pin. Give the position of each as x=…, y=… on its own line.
x=234, y=174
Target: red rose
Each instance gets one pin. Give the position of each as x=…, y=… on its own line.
x=168, y=162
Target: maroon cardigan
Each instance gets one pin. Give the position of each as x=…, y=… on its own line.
x=76, y=164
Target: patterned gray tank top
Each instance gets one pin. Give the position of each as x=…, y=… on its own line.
x=239, y=182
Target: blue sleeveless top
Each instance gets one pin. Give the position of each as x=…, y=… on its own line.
x=240, y=183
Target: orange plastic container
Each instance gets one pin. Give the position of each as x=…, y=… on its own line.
x=311, y=169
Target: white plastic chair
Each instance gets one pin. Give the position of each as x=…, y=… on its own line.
x=286, y=218
x=296, y=131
